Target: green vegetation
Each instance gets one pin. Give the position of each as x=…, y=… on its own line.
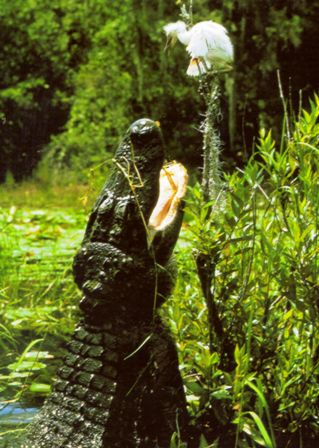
x=73, y=76
x=253, y=379
x=38, y=297
x=254, y=382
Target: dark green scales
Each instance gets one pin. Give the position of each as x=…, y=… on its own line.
x=120, y=385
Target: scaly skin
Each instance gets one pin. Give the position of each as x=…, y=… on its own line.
x=120, y=385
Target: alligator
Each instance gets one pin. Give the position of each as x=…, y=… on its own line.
x=119, y=384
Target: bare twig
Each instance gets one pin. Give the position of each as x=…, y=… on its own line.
x=281, y=93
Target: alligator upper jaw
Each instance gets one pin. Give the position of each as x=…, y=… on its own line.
x=173, y=184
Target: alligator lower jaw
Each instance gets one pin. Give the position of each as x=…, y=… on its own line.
x=173, y=184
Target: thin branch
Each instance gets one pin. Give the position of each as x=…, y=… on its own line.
x=281, y=93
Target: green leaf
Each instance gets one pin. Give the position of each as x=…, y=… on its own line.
x=30, y=366
x=261, y=427
x=221, y=394
x=194, y=387
x=203, y=442
x=40, y=388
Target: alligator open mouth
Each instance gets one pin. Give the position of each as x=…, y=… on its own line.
x=173, y=184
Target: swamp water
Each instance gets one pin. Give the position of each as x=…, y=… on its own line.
x=13, y=419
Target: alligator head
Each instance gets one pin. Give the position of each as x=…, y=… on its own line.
x=133, y=229
x=120, y=385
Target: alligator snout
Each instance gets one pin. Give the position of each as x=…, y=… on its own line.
x=144, y=126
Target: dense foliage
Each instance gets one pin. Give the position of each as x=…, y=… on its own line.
x=260, y=371
x=74, y=74
x=252, y=379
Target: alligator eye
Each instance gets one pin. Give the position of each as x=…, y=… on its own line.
x=173, y=184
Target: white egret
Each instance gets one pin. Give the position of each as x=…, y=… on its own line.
x=207, y=43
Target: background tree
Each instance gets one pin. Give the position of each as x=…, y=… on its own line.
x=74, y=74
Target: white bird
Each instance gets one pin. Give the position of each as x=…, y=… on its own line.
x=207, y=43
